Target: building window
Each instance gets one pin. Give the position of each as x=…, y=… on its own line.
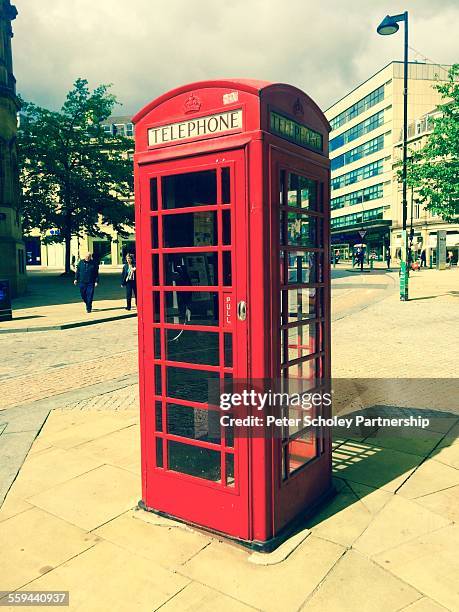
x=107, y=128
x=358, y=130
x=119, y=129
x=360, y=174
x=129, y=129
x=358, y=108
x=367, y=148
x=360, y=196
x=357, y=218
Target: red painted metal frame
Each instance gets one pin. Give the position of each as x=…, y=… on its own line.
x=261, y=504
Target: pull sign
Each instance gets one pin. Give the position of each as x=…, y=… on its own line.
x=227, y=309
x=242, y=311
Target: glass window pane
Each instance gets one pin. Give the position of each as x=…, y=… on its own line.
x=157, y=343
x=302, y=192
x=193, y=423
x=190, y=230
x=197, y=269
x=306, y=370
x=191, y=307
x=190, y=189
x=154, y=232
x=304, y=267
x=301, y=303
x=153, y=194
x=156, y=307
x=229, y=464
x=159, y=452
x=302, y=230
x=226, y=186
x=192, y=385
x=155, y=269
x=226, y=227
x=302, y=341
x=158, y=416
x=158, y=380
x=227, y=276
x=192, y=346
x=302, y=449
x=228, y=347
x=195, y=461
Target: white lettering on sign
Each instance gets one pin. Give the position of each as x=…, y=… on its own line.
x=227, y=310
x=199, y=127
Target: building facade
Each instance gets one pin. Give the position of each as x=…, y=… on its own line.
x=12, y=251
x=366, y=199
x=110, y=251
x=421, y=223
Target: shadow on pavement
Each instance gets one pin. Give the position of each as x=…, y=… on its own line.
x=365, y=461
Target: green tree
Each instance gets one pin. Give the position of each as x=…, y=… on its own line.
x=74, y=175
x=434, y=170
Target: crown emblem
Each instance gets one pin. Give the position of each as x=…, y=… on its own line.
x=298, y=108
x=192, y=104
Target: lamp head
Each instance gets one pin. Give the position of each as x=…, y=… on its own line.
x=387, y=26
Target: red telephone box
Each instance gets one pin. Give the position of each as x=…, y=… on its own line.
x=232, y=225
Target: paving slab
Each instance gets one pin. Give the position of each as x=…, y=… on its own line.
x=356, y=583
x=49, y=468
x=106, y=577
x=424, y=605
x=344, y=517
x=445, y=503
x=93, y=498
x=430, y=477
x=401, y=520
x=227, y=570
x=36, y=543
x=200, y=598
x=449, y=455
x=429, y=563
x=120, y=448
x=165, y=544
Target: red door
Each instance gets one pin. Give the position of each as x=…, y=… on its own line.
x=193, y=266
x=301, y=310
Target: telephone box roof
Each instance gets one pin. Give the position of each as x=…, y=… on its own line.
x=253, y=86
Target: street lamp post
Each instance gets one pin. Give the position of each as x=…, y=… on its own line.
x=389, y=25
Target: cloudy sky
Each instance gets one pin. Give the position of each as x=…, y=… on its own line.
x=145, y=47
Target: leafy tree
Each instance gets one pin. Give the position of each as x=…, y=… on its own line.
x=74, y=174
x=434, y=170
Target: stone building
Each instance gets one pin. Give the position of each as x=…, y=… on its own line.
x=12, y=251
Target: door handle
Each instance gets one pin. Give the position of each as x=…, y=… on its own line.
x=242, y=310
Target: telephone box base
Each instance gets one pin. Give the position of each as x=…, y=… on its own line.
x=255, y=545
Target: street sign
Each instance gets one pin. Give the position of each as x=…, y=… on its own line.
x=362, y=233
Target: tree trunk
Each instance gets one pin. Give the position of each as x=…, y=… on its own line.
x=68, y=240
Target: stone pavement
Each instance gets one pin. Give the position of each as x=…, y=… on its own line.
x=53, y=302
x=386, y=542
x=382, y=544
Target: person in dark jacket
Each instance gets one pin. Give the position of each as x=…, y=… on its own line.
x=128, y=280
x=87, y=277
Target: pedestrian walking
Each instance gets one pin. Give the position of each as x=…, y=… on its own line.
x=128, y=280
x=87, y=277
x=388, y=258
x=423, y=258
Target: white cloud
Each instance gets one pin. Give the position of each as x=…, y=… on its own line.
x=145, y=47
